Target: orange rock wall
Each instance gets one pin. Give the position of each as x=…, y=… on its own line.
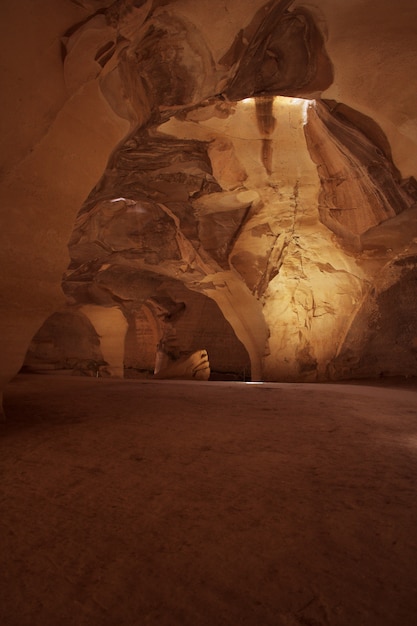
x=62, y=119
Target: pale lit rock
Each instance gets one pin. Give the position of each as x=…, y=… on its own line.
x=305, y=302
x=111, y=326
x=196, y=366
x=310, y=310
x=222, y=202
x=243, y=311
x=360, y=186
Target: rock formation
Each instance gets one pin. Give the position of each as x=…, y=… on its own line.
x=195, y=366
x=255, y=156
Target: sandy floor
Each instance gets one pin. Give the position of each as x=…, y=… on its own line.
x=128, y=503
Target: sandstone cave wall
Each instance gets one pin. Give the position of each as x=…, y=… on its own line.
x=62, y=120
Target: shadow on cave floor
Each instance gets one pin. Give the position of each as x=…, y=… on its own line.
x=196, y=503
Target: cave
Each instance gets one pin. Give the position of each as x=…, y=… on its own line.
x=209, y=312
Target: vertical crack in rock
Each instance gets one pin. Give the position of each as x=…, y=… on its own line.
x=279, y=248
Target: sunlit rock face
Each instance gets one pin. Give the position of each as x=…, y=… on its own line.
x=360, y=187
x=244, y=231
x=280, y=245
x=216, y=189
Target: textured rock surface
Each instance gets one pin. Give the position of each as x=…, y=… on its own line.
x=67, y=340
x=280, y=52
x=360, y=186
x=219, y=198
x=262, y=228
x=195, y=366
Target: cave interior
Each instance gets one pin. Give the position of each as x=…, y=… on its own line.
x=196, y=196
x=247, y=225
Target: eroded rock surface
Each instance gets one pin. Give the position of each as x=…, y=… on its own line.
x=360, y=187
x=222, y=189
x=256, y=237
x=280, y=52
x=196, y=366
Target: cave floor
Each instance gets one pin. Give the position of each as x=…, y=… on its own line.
x=128, y=503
